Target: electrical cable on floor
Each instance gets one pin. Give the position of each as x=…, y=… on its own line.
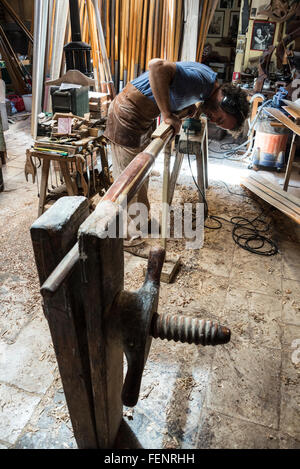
x=227, y=153
x=245, y=233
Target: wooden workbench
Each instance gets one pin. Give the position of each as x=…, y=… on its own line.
x=77, y=158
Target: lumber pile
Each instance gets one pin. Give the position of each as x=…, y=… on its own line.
x=274, y=195
x=19, y=75
x=123, y=35
x=139, y=30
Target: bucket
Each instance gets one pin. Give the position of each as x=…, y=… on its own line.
x=27, y=98
x=270, y=145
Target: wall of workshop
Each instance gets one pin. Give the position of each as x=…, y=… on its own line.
x=252, y=54
x=23, y=8
x=223, y=51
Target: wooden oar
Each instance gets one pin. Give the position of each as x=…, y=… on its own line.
x=209, y=18
x=112, y=37
x=94, y=43
x=139, y=17
x=144, y=36
x=201, y=37
x=120, y=192
x=178, y=30
x=116, y=45
x=133, y=38
x=150, y=33
x=110, y=86
x=122, y=44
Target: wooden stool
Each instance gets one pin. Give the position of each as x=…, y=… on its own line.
x=192, y=144
x=195, y=144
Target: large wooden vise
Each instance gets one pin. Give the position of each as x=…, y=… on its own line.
x=93, y=321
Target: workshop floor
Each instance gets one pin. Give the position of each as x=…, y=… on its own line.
x=241, y=395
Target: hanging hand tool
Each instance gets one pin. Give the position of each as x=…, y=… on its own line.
x=87, y=168
x=80, y=163
x=90, y=149
x=29, y=167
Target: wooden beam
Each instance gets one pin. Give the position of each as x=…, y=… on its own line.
x=274, y=195
x=289, y=163
x=18, y=20
x=53, y=234
x=294, y=112
x=105, y=353
x=284, y=119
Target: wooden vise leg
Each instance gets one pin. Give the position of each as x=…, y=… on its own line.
x=102, y=262
x=53, y=234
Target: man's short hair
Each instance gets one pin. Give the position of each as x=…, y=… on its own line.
x=241, y=106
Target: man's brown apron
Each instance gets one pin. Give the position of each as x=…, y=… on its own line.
x=130, y=117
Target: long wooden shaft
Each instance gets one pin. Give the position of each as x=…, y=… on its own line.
x=14, y=73
x=178, y=30
x=133, y=39
x=201, y=38
x=14, y=15
x=94, y=42
x=107, y=69
x=150, y=34
x=39, y=43
x=139, y=18
x=207, y=24
x=123, y=47
x=143, y=41
x=156, y=29
x=13, y=57
x=122, y=190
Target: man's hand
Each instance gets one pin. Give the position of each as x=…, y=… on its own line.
x=161, y=73
x=188, y=111
x=173, y=120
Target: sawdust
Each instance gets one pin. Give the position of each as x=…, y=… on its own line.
x=192, y=291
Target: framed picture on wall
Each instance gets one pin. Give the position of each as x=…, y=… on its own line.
x=217, y=25
x=224, y=4
x=234, y=23
x=262, y=35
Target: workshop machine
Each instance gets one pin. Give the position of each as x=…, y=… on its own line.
x=270, y=139
x=269, y=146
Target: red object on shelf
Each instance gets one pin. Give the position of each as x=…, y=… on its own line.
x=18, y=102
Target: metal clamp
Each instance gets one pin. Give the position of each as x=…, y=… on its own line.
x=134, y=321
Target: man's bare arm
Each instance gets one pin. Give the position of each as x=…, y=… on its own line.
x=161, y=73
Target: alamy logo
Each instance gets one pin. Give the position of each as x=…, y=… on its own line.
x=296, y=92
x=296, y=353
x=180, y=222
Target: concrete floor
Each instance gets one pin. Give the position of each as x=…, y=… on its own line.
x=241, y=395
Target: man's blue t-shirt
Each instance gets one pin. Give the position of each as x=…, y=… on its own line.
x=192, y=82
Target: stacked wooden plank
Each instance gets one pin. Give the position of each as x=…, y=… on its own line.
x=98, y=105
x=274, y=195
x=20, y=78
